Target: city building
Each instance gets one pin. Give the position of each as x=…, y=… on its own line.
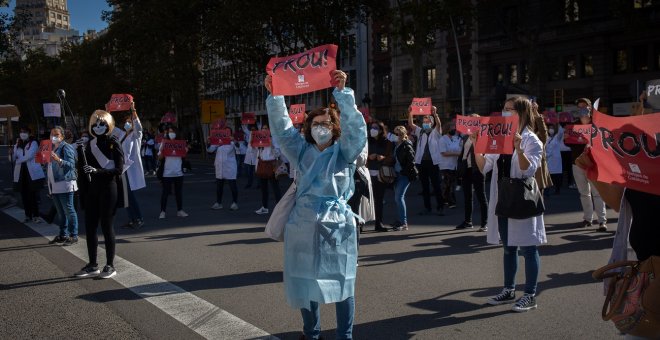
x=49, y=25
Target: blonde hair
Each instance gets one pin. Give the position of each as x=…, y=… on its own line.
x=403, y=133
x=103, y=115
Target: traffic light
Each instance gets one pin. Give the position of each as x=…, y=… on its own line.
x=559, y=108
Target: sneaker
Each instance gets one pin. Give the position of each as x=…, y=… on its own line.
x=108, y=272
x=181, y=213
x=452, y=206
x=58, y=239
x=71, y=241
x=465, y=225
x=584, y=224
x=527, y=302
x=506, y=296
x=602, y=227
x=162, y=215
x=37, y=220
x=262, y=211
x=137, y=224
x=401, y=227
x=216, y=206
x=482, y=229
x=88, y=270
x=233, y=206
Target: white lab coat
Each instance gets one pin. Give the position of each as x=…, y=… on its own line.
x=250, y=153
x=131, y=146
x=553, y=153
x=366, y=209
x=524, y=232
x=434, y=144
x=26, y=155
x=452, y=144
x=225, y=161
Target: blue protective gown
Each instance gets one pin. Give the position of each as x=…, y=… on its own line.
x=320, y=241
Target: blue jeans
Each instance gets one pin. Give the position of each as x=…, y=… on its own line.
x=345, y=312
x=532, y=261
x=400, y=187
x=133, y=208
x=66, y=217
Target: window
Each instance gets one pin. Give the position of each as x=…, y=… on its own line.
x=554, y=69
x=642, y=3
x=525, y=73
x=588, y=65
x=513, y=74
x=429, y=78
x=352, y=79
x=571, y=11
x=65, y=18
x=570, y=71
x=348, y=46
x=406, y=81
x=383, y=43
x=59, y=17
x=641, y=58
x=620, y=61
x=52, y=15
x=498, y=75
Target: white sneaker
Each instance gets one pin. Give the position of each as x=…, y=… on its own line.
x=162, y=215
x=37, y=220
x=216, y=206
x=233, y=206
x=181, y=213
x=262, y=211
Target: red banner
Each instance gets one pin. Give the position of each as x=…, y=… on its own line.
x=119, y=102
x=174, y=148
x=550, y=117
x=260, y=139
x=248, y=118
x=625, y=151
x=168, y=117
x=304, y=72
x=297, y=113
x=565, y=117
x=220, y=137
x=219, y=124
x=578, y=134
x=495, y=135
x=421, y=106
x=467, y=125
x=43, y=155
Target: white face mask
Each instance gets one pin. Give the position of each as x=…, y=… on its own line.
x=172, y=135
x=506, y=114
x=55, y=140
x=127, y=126
x=24, y=136
x=321, y=135
x=395, y=139
x=373, y=133
x=85, y=139
x=551, y=132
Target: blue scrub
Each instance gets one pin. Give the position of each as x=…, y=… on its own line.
x=320, y=242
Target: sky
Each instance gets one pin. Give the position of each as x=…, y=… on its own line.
x=85, y=14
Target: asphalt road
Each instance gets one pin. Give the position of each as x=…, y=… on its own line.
x=430, y=282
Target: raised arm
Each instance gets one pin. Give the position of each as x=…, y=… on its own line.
x=353, y=127
x=281, y=127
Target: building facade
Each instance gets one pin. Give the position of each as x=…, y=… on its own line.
x=49, y=25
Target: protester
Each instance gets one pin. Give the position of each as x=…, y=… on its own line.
x=542, y=175
x=514, y=233
x=362, y=201
x=450, y=148
x=406, y=172
x=380, y=154
x=250, y=157
x=321, y=267
x=241, y=149
x=102, y=196
x=131, y=144
x=172, y=176
x=148, y=151
x=427, y=157
x=589, y=196
x=267, y=154
x=472, y=179
x=225, y=171
x=28, y=174
x=62, y=186
x=553, y=156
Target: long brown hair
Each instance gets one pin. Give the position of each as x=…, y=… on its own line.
x=524, y=108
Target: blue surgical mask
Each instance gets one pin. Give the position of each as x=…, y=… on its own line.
x=507, y=114
x=426, y=126
x=127, y=126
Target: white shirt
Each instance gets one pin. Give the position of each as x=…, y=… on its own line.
x=225, y=161
x=61, y=187
x=433, y=140
x=172, y=167
x=449, y=144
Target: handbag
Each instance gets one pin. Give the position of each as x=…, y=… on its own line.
x=280, y=215
x=386, y=174
x=633, y=296
x=282, y=170
x=265, y=169
x=518, y=198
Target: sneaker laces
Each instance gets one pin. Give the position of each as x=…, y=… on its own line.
x=503, y=295
x=525, y=300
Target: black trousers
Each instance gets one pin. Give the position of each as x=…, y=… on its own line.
x=167, y=189
x=379, y=196
x=567, y=166
x=219, y=188
x=429, y=172
x=100, y=208
x=557, y=181
x=30, y=198
x=264, y=190
x=473, y=179
x=448, y=186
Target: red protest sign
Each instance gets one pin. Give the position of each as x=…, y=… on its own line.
x=43, y=155
x=303, y=72
x=219, y=124
x=220, y=137
x=174, y=148
x=495, y=135
x=565, y=117
x=248, y=118
x=578, y=134
x=239, y=135
x=421, y=106
x=550, y=117
x=625, y=151
x=119, y=102
x=297, y=113
x=260, y=139
x=168, y=117
x=467, y=124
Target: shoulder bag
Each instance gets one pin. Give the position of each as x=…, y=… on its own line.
x=386, y=174
x=280, y=215
x=517, y=198
x=265, y=169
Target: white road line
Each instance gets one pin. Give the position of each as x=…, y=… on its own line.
x=201, y=316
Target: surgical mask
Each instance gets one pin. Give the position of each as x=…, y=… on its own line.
x=321, y=135
x=127, y=126
x=395, y=139
x=55, y=140
x=85, y=139
x=373, y=133
x=24, y=136
x=172, y=135
x=506, y=114
x=551, y=132
x=100, y=128
x=426, y=126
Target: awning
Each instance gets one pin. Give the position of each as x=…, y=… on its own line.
x=9, y=111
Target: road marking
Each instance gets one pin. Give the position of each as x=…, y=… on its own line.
x=201, y=316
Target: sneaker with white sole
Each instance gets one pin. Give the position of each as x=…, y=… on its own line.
x=88, y=270
x=108, y=272
x=162, y=215
x=506, y=296
x=181, y=213
x=216, y=206
x=262, y=211
x=233, y=206
x=602, y=227
x=525, y=303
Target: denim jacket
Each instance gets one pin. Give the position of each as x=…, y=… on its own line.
x=67, y=170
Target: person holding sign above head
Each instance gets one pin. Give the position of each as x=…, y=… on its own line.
x=524, y=233
x=131, y=145
x=62, y=185
x=225, y=169
x=104, y=194
x=427, y=157
x=266, y=155
x=28, y=174
x=320, y=237
x=172, y=172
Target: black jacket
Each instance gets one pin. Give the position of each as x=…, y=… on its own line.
x=405, y=154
